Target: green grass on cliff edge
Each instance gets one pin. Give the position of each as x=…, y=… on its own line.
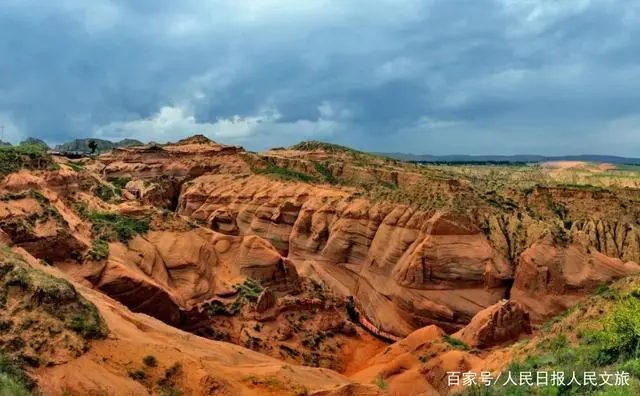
x=601, y=335
x=31, y=290
x=25, y=156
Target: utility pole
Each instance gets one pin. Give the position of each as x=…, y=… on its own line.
x=2, y=133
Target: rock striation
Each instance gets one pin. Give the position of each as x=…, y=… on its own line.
x=406, y=268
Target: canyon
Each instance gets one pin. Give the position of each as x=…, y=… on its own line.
x=314, y=269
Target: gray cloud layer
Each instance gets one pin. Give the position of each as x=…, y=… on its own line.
x=421, y=76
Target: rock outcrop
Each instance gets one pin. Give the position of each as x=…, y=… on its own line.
x=266, y=300
x=503, y=322
x=180, y=160
x=551, y=277
x=32, y=221
x=162, y=192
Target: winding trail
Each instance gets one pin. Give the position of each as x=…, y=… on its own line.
x=366, y=323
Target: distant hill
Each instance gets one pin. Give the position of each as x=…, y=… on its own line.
x=314, y=145
x=3, y=143
x=82, y=145
x=511, y=158
x=35, y=141
x=195, y=139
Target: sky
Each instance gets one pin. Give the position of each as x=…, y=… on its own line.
x=550, y=77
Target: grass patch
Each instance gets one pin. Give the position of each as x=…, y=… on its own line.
x=456, y=343
x=584, y=187
x=106, y=193
x=272, y=169
x=99, y=249
x=48, y=210
x=325, y=172
x=55, y=296
x=110, y=226
x=381, y=383
x=10, y=386
x=75, y=167
x=14, y=381
x=120, y=182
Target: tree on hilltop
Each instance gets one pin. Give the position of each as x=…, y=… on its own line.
x=93, y=146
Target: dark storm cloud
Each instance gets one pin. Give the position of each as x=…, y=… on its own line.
x=422, y=76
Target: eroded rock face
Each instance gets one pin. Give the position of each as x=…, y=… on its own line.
x=266, y=300
x=500, y=323
x=550, y=278
x=406, y=268
x=609, y=219
x=33, y=223
x=166, y=274
x=184, y=159
x=162, y=192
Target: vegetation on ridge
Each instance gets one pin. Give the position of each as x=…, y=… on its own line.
x=600, y=334
x=39, y=315
x=14, y=381
x=27, y=156
x=316, y=145
x=266, y=166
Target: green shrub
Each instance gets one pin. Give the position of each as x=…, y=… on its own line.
x=89, y=323
x=316, y=145
x=13, y=196
x=76, y=167
x=13, y=378
x=174, y=370
x=99, y=249
x=249, y=290
x=114, y=226
x=325, y=172
x=150, y=361
x=120, y=182
x=137, y=375
x=619, y=339
x=171, y=392
x=167, y=381
x=105, y=193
